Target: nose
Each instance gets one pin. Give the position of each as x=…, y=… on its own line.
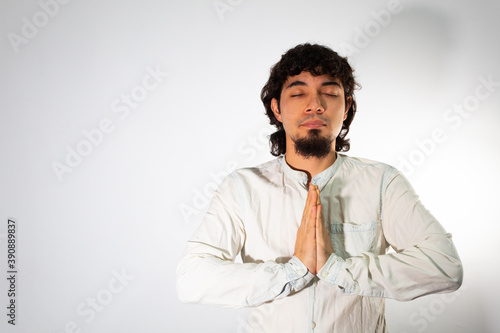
x=315, y=104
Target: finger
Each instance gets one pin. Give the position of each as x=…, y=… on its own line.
x=318, y=200
x=311, y=191
x=319, y=213
x=311, y=223
x=312, y=198
x=311, y=195
x=319, y=223
x=307, y=207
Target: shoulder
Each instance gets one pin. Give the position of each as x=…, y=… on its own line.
x=267, y=172
x=273, y=165
x=375, y=171
x=242, y=183
x=360, y=163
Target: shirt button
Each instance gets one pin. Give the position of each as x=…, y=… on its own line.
x=315, y=283
x=313, y=324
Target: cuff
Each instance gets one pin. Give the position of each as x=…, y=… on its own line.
x=332, y=274
x=297, y=274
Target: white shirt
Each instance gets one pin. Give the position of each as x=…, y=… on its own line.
x=368, y=206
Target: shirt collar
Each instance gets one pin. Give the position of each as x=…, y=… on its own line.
x=320, y=179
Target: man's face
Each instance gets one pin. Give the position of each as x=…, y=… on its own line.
x=312, y=109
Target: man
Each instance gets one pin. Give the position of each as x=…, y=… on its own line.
x=313, y=225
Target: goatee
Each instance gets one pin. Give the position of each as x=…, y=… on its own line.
x=314, y=145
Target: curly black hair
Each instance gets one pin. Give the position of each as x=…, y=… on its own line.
x=318, y=60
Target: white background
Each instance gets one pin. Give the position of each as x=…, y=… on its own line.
x=129, y=206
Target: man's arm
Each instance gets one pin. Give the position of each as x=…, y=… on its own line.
x=426, y=260
x=208, y=274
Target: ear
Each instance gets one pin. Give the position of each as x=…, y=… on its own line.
x=276, y=109
x=348, y=106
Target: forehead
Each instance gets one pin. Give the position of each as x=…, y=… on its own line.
x=307, y=79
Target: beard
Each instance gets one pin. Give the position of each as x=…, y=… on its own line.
x=313, y=145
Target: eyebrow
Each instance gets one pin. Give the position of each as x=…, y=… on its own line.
x=302, y=83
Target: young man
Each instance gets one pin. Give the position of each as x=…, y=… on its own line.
x=313, y=225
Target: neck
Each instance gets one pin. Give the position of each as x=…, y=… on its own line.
x=312, y=165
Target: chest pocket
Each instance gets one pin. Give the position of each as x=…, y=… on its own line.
x=349, y=239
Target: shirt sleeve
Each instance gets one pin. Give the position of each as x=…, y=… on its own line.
x=425, y=261
x=207, y=273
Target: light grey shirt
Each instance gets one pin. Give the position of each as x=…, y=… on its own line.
x=367, y=206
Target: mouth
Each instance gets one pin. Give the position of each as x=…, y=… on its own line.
x=314, y=124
